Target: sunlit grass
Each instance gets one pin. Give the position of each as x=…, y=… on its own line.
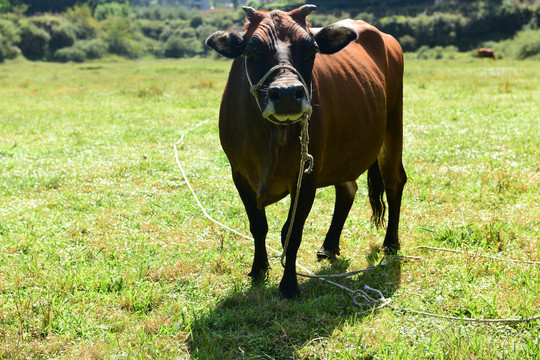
x=104, y=253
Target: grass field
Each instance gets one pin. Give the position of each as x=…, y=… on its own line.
x=105, y=255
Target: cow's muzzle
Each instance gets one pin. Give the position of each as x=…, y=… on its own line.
x=288, y=102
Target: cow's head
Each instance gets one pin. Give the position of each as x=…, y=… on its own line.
x=279, y=51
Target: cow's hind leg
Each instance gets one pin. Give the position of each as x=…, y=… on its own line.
x=394, y=178
x=345, y=193
x=258, y=225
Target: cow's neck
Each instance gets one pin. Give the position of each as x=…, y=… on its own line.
x=278, y=137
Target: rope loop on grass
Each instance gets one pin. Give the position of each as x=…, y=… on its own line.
x=362, y=298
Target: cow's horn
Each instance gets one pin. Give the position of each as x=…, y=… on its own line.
x=307, y=9
x=249, y=11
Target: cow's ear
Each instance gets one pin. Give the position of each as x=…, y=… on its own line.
x=333, y=38
x=226, y=43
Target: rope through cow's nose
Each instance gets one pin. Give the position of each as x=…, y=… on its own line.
x=254, y=88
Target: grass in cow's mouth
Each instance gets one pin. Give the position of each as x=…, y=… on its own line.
x=104, y=254
x=275, y=120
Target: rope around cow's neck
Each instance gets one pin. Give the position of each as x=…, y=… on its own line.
x=305, y=157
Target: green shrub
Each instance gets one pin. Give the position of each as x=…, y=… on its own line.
x=123, y=37
x=203, y=32
x=178, y=47
x=367, y=17
x=92, y=49
x=171, y=27
x=7, y=49
x=182, y=43
x=397, y=25
x=225, y=20
x=527, y=44
x=408, y=43
x=320, y=19
x=4, y=6
x=9, y=36
x=62, y=33
x=68, y=54
x=151, y=12
x=182, y=13
x=112, y=9
x=152, y=28
x=438, y=29
x=196, y=21
x=34, y=41
x=62, y=36
x=85, y=26
x=127, y=47
x=437, y=52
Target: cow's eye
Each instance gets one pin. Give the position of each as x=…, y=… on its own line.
x=253, y=49
x=308, y=48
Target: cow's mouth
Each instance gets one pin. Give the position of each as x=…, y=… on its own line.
x=285, y=119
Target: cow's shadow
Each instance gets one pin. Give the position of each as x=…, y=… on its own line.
x=255, y=322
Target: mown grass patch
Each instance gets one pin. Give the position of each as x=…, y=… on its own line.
x=104, y=253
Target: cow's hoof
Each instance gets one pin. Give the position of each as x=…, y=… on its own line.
x=330, y=254
x=289, y=291
x=258, y=274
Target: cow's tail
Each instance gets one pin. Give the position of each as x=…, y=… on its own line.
x=376, y=194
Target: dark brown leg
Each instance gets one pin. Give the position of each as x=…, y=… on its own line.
x=288, y=286
x=258, y=226
x=345, y=193
x=394, y=176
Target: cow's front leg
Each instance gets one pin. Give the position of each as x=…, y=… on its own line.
x=258, y=226
x=288, y=286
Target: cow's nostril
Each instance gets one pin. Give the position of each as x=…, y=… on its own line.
x=273, y=94
x=300, y=93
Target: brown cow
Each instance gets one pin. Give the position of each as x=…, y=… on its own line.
x=348, y=77
x=486, y=53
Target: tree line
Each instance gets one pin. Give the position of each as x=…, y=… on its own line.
x=70, y=30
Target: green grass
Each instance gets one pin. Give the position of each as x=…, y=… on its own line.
x=105, y=255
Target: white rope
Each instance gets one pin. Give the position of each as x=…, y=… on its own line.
x=193, y=191
x=305, y=157
x=361, y=298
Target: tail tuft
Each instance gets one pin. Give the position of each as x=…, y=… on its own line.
x=376, y=194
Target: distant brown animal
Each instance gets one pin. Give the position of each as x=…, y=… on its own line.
x=348, y=78
x=486, y=53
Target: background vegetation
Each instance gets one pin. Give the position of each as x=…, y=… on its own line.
x=104, y=254
x=67, y=30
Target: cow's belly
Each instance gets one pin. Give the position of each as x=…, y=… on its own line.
x=350, y=141
x=347, y=164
